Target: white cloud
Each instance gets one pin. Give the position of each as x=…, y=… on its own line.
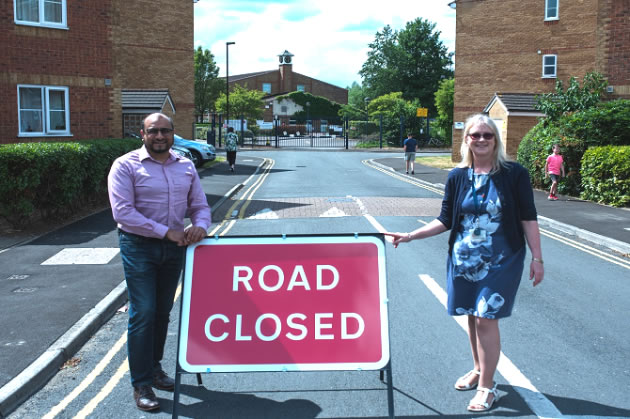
x=329, y=38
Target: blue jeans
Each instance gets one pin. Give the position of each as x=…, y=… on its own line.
x=152, y=269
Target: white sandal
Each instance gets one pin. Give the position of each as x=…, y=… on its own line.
x=485, y=406
x=465, y=378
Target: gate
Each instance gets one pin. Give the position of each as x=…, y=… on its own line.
x=286, y=132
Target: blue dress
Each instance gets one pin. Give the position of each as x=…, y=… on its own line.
x=483, y=272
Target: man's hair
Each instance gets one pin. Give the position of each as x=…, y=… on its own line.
x=230, y=129
x=162, y=115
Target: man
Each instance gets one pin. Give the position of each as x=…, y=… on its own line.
x=410, y=152
x=151, y=190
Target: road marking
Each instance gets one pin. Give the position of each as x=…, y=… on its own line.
x=264, y=214
x=98, y=370
x=83, y=256
x=624, y=263
x=537, y=402
x=333, y=212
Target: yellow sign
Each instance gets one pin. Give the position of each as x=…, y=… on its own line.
x=422, y=112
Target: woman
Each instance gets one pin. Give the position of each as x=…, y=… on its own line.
x=231, y=146
x=489, y=207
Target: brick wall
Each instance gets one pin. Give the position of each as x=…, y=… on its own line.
x=153, y=49
x=497, y=48
x=79, y=58
x=615, y=30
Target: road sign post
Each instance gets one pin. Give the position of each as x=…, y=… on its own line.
x=284, y=303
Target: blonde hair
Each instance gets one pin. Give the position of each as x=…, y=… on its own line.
x=499, y=157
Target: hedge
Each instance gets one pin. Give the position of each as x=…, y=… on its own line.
x=52, y=180
x=606, y=175
x=605, y=124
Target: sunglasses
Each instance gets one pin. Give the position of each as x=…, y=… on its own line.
x=154, y=131
x=477, y=135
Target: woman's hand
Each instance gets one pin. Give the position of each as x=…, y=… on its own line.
x=398, y=238
x=536, y=271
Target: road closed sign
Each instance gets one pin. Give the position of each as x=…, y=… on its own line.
x=284, y=303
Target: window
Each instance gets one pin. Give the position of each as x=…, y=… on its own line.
x=43, y=110
x=266, y=87
x=50, y=13
x=300, y=88
x=550, y=64
x=551, y=9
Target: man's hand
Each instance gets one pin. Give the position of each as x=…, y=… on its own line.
x=176, y=236
x=194, y=234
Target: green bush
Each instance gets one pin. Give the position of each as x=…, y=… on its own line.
x=52, y=180
x=606, y=175
x=605, y=124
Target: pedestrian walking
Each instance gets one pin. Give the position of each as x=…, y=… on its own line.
x=409, y=146
x=489, y=207
x=231, y=146
x=151, y=190
x=554, y=168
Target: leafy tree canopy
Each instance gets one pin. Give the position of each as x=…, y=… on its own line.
x=207, y=84
x=243, y=102
x=444, y=102
x=574, y=98
x=411, y=61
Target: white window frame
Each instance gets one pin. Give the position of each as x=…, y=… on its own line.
x=45, y=100
x=266, y=85
x=301, y=88
x=41, y=19
x=547, y=8
x=555, y=66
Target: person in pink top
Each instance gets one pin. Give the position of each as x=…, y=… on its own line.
x=554, y=168
x=151, y=191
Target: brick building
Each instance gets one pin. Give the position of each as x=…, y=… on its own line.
x=284, y=80
x=515, y=49
x=67, y=64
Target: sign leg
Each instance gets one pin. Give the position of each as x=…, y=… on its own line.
x=390, y=390
x=178, y=379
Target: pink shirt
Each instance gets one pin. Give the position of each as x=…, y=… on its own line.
x=148, y=198
x=554, y=164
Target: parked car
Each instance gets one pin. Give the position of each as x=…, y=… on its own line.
x=182, y=151
x=201, y=152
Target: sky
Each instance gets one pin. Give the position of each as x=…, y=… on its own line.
x=328, y=38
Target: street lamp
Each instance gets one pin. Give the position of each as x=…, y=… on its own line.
x=227, y=82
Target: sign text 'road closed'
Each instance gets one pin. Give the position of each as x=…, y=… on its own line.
x=294, y=303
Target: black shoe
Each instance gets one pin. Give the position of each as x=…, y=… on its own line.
x=161, y=381
x=413, y=173
x=145, y=398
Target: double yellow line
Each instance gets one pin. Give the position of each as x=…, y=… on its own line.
x=228, y=221
x=399, y=176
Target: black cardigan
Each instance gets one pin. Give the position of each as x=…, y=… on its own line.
x=517, y=201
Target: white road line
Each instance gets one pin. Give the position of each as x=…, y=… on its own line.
x=537, y=402
x=83, y=256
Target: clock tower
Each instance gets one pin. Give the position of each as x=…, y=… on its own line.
x=286, y=72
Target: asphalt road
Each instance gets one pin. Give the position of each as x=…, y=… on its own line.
x=565, y=349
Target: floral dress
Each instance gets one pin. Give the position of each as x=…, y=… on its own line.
x=483, y=271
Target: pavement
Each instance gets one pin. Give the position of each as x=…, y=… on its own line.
x=50, y=310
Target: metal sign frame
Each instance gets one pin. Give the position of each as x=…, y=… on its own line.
x=372, y=242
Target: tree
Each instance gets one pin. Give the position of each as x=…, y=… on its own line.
x=411, y=61
x=444, y=102
x=207, y=84
x=243, y=102
x=574, y=98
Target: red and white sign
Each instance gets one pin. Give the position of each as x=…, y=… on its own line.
x=281, y=304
